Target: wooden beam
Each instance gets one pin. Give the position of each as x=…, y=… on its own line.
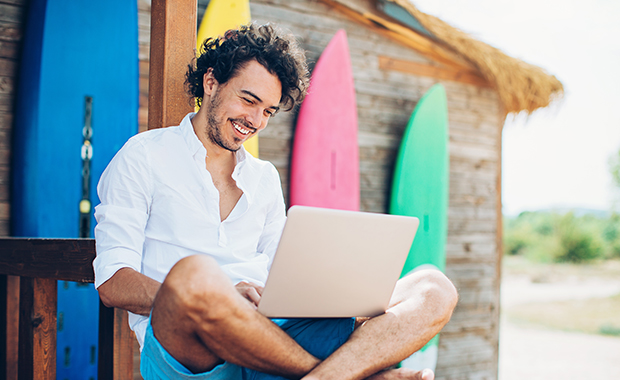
x=115, y=344
x=58, y=259
x=12, y=326
x=37, y=329
x=9, y=322
x=442, y=73
x=173, y=40
x=43, y=262
x=3, y=325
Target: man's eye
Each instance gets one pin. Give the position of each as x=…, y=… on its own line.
x=248, y=101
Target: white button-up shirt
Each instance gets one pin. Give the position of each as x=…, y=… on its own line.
x=159, y=205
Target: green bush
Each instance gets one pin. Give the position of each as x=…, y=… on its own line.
x=609, y=329
x=544, y=250
x=611, y=236
x=517, y=240
x=577, y=243
x=551, y=237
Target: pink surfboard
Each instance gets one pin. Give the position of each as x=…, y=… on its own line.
x=325, y=158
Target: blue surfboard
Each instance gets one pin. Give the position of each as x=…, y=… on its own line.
x=77, y=103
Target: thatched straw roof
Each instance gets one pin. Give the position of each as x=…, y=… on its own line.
x=520, y=85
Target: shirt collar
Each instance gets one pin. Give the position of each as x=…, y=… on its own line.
x=247, y=173
x=187, y=131
x=194, y=144
x=247, y=170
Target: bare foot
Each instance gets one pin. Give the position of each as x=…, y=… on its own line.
x=403, y=374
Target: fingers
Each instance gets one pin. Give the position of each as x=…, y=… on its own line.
x=250, y=291
x=258, y=288
x=253, y=296
x=427, y=374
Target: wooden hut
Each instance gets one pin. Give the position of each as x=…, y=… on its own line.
x=395, y=60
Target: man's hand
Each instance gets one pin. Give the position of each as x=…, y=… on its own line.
x=250, y=291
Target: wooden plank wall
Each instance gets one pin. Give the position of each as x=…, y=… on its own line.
x=468, y=349
x=12, y=14
x=469, y=344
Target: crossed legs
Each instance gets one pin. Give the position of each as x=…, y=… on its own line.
x=201, y=320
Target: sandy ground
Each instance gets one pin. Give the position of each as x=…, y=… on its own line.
x=517, y=290
x=533, y=354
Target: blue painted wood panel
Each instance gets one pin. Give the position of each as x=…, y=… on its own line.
x=72, y=49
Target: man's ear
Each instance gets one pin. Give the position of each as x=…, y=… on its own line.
x=209, y=83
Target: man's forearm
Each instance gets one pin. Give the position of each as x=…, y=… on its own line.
x=129, y=290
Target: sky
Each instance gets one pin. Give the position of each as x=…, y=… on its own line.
x=558, y=157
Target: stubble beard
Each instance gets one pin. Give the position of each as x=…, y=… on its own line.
x=215, y=125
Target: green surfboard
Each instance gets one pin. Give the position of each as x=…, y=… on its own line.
x=420, y=189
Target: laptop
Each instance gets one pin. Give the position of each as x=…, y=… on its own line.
x=333, y=263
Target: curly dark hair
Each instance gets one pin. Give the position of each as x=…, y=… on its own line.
x=279, y=53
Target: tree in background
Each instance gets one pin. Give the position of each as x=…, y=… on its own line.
x=614, y=169
x=579, y=239
x=614, y=165
x=612, y=230
x=553, y=237
x=611, y=235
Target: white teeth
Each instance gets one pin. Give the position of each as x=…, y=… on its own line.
x=241, y=129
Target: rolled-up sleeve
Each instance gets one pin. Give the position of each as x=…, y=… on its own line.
x=125, y=191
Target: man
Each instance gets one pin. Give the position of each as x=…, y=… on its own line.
x=188, y=225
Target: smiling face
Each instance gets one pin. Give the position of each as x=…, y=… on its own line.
x=239, y=108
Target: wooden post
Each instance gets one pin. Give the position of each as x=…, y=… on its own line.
x=173, y=40
x=9, y=314
x=499, y=238
x=12, y=326
x=37, y=329
x=115, y=344
x=3, y=325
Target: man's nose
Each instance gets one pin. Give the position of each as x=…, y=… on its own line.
x=257, y=119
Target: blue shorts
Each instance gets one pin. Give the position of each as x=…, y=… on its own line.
x=320, y=337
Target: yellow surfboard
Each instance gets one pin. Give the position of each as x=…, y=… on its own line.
x=220, y=16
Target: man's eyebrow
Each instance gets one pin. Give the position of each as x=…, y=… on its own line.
x=250, y=93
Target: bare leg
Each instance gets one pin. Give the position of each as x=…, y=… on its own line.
x=201, y=320
x=421, y=305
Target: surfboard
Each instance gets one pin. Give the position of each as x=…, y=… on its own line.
x=220, y=16
x=420, y=188
x=76, y=104
x=325, y=157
